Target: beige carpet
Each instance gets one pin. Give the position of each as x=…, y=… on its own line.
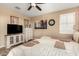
x=59, y=44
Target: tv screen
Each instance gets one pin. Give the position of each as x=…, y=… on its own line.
x=14, y=29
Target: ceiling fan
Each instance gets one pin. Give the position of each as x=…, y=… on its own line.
x=34, y=5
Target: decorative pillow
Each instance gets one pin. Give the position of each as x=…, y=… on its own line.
x=59, y=44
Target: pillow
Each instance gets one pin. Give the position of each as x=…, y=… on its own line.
x=59, y=44
x=45, y=37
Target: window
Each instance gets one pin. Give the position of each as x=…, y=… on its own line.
x=67, y=21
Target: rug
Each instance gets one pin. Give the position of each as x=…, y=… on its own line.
x=31, y=43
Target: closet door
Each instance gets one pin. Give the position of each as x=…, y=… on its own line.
x=29, y=34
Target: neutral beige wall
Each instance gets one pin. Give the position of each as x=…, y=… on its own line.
x=52, y=31
x=5, y=14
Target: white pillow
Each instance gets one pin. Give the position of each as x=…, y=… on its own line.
x=45, y=37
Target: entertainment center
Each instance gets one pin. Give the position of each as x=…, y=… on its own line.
x=12, y=40
x=14, y=35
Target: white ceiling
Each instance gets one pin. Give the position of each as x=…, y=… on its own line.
x=46, y=8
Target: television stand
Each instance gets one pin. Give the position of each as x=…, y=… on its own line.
x=14, y=39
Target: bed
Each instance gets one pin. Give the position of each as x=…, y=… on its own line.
x=46, y=47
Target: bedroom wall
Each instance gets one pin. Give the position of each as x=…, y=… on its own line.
x=52, y=31
x=5, y=14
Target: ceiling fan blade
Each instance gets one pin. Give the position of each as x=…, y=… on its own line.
x=29, y=7
x=38, y=7
x=39, y=3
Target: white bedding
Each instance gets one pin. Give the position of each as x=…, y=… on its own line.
x=46, y=48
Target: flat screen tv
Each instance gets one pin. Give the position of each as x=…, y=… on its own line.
x=14, y=29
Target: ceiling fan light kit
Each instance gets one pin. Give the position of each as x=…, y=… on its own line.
x=34, y=5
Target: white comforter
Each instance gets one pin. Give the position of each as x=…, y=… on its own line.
x=46, y=48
